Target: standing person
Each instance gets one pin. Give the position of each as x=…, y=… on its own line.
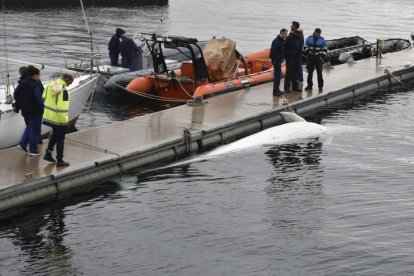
x=113, y=46
x=56, y=116
x=130, y=53
x=299, y=62
x=292, y=52
x=315, y=49
x=276, y=55
x=28, y=95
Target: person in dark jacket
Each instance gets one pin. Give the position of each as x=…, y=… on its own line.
x=301, y=41
x=130, y=53
x=276, y=55
x=292, y=54
x=315, y=49
x=31, y=103
x=113, y=46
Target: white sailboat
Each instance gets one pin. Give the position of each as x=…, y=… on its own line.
x=12, y=124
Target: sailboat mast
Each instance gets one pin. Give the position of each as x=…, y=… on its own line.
x=6, y=62
x=89, y=32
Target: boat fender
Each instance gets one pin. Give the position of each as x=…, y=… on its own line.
x=141, y=84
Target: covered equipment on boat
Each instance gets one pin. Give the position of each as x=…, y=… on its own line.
x=220, y=58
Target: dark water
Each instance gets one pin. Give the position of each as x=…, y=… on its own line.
x=341, y=207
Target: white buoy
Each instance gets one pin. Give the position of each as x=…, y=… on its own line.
x=344, y=57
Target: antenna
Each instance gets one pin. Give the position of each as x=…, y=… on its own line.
x=159, y=26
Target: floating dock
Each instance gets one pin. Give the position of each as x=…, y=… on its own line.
x=66, y=3
x=98, y=153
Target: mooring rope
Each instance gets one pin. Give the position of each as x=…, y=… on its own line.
x=93, y=147
x=386, y=71
x=145, y=95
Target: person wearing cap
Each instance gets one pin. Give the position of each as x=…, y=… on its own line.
x=113, y=46
x=315, y=49
x=292, y=55
x=276, y=55
x=56, y=116
x=130, y=53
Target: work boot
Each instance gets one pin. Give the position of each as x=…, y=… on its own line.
x=320, y=89
x=278, y=93
x=308, y=87
x=61, y=163
x=296, y=89
x=48, y=157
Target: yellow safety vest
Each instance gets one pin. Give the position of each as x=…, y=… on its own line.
x=56, y=99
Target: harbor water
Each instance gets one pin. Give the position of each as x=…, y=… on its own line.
x=342, y=206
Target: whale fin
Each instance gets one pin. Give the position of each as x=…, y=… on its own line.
x=290, y=117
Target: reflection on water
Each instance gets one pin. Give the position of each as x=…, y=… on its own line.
x=41, y=235
x=290, y=159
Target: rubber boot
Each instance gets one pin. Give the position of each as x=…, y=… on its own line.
x=48, y=156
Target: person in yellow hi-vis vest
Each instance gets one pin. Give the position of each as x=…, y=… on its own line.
x=56, y=116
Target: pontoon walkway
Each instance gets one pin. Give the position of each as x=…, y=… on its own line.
x=101, y=152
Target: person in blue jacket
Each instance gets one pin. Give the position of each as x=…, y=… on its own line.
x=276, y=55
x=315, y=49
x=130, y=53
x=113, y=46
x=292, y=55
x=28, y=95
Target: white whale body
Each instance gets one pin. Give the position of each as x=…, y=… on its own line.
x=295, y=130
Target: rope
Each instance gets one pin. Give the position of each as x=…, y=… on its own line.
x=185, y=91
x=286, y=106
x=397, y=79
x=93, y=147
x=145, y=95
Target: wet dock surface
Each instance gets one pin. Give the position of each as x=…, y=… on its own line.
x=84, y=148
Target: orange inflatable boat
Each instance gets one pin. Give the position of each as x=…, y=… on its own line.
x=219, y=68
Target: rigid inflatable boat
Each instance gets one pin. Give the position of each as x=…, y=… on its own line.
x=218, y=68
x=359, y=47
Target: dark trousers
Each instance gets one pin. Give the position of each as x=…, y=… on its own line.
x=276, y=75
x=132, y=63
x=299, y=68
x=31, y=134
x=291, y=74
x=314, y=62
x=57, y=138
x=114, y=59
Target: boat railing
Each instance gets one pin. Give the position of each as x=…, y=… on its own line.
x=84, y=61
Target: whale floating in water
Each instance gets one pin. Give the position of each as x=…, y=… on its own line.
x=296, y=129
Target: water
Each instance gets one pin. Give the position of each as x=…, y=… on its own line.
x=342, y=207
